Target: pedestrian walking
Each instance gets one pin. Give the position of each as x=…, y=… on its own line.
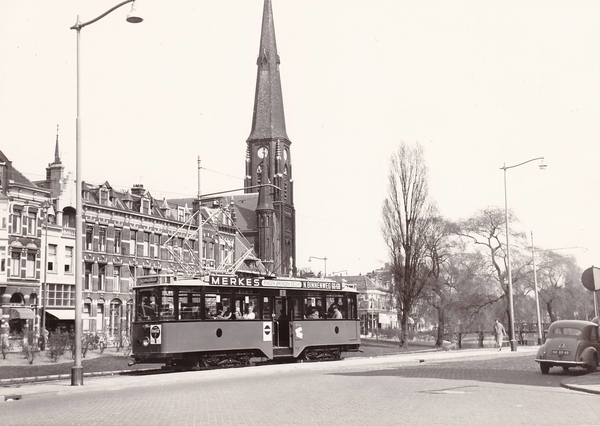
x=499, y=333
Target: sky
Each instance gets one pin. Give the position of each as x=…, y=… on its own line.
x=479, y=84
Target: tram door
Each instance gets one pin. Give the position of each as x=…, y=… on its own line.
x=282, y=322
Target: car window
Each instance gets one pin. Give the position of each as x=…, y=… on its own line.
x=565, y=332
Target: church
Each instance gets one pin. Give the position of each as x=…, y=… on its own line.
x=266, y=213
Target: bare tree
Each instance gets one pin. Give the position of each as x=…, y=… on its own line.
x=486, y=230
x=407, y=220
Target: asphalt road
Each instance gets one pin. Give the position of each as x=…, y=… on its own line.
x=437, y=388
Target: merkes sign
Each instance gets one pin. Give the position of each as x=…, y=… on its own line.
x=262, y=282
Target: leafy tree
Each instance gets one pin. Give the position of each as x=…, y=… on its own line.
x=559, y=285
x=408, y=217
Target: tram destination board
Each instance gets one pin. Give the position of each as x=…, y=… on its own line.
x=220, y=280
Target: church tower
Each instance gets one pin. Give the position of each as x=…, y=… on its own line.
x=268, y=148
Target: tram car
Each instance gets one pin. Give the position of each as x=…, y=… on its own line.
x=222, y=320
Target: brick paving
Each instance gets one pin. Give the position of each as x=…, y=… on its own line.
x=427, y=389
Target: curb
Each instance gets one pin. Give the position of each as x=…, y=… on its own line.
x=579, y=388
x=56, y=377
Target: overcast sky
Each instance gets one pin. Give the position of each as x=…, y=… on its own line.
x=477, y=83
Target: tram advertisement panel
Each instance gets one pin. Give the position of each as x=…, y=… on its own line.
x=269, y=283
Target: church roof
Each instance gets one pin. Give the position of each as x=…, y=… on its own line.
x=245, y=211
x=268, y=121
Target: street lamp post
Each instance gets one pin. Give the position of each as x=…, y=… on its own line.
x=48, y=210
x=513, y=343
x=537, y=298
x=77, y=369
x=324, y=259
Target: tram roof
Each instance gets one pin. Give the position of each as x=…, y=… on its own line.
x=215, y=280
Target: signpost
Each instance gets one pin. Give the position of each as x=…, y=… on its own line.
x=591, y=280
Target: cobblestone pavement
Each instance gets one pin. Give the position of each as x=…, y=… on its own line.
x=421, y=389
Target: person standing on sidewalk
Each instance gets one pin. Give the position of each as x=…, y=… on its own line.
x=499, y=333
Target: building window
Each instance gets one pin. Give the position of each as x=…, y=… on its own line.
x=87, y=282
x=134, y=243
x=102, y=278
x=16, y=223
x=52, y=258
x=104, y=197
x=30, y=265
x=68, y=260
x=2, y=259
x=146, y=244
x=100, y=316
x=15, y=264
x=117, y=279
x=102, y=239
x=61, y=295
x=118, y=241
x=180, y=214
x=31, y=223
x=145, y=206
x=89, y=237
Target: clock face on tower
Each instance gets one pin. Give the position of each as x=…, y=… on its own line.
x=263, y=152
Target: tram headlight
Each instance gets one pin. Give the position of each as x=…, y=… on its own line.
x=145, y=342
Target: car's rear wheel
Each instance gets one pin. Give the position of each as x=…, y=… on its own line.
x=591, y=368
x=565, y=367
x=545, y=368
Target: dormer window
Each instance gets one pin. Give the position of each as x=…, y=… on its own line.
x=180, y=213
x=145, y=206
x=103, y=195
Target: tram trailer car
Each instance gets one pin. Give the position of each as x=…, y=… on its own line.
x=227, y=320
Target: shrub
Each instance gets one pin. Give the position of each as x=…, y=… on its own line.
x=30, y=345
x=58, y=343
x=5, y=346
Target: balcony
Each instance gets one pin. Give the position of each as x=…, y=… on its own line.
x=68, y=232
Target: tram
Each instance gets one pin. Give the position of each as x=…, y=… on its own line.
x=225, y=320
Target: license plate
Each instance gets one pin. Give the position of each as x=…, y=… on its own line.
x=560, y=352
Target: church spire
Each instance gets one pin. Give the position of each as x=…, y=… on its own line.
x=268, y=121
x=56, y=150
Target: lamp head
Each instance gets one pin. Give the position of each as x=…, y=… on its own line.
x=133, y=17
x=543, y=166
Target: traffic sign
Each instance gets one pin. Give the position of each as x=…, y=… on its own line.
x=591, y=278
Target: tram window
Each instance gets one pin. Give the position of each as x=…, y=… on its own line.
x=297, y=309
x=190, y=303
x=350, y=307
x=147, y=304
x=267, y=308
x=313, y=306
x=167, y=305
x=246, y=307
x=218, y=306
x=336, y=300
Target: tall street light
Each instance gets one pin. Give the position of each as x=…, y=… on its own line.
x=324, y=259
x=513, y=343
x=537, y=297
x=77, y=369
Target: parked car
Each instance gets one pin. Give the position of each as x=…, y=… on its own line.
x=570, y=343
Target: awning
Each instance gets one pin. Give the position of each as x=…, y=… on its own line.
x=21, y=313
x=384, y=319
x=62, y=314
